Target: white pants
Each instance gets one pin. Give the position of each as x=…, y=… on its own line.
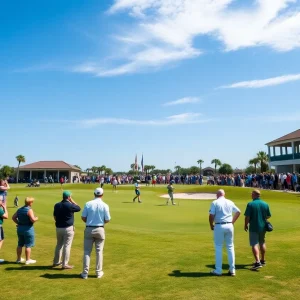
x=224, y=232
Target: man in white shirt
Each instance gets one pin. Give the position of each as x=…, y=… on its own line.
x=95, y=214
x=221, y=222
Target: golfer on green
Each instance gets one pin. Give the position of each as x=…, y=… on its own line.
x=170, y=192
x=137, y=191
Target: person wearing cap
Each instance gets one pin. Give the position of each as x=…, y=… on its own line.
x=64, y=221
x=256, y=214
x=221, y=220
x=24, y=218
x=137, y=192
x=170, y=192
x=95, y=214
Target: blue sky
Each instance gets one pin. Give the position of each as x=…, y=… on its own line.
x=98, y=82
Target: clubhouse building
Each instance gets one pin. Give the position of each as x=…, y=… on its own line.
x=41, y=169
x=284, y=153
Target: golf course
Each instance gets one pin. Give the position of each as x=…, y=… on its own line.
x=153, y=251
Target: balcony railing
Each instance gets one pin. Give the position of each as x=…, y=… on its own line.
x=297, y=155
x=282, y=157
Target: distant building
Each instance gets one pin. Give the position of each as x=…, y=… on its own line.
x=41, y=169
x=284, y=153
x=208, y=171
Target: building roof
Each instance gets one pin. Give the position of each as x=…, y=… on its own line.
x=50, y=165
x=291, y=136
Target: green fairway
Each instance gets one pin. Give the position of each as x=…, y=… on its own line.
x=154, y=251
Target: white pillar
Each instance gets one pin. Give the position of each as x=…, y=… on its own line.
x=44, y=174
x=280, y=150
x=30, y=174
x=293, y=152
x=58, y=176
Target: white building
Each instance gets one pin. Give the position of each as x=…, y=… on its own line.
x=284, y=153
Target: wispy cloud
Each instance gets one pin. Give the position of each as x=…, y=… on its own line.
x=264, y=82
x=185, y=100
x=180, y=119
x=164, y=31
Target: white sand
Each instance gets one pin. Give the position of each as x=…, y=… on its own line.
x=192, y=196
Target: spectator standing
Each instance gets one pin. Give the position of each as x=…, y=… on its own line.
x=3, y=215
x=221, y=221
x=95, y=214
x=24, y=218
x=64, y=221
x=256, y=214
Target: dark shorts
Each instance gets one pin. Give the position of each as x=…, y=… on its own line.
x=1, y=233
x=137, y=192
x=25, y=238
x=256, y=238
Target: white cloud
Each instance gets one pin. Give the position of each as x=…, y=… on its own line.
x=186, y=118
x=185, y=100
x=264, y=82
x=166, y=30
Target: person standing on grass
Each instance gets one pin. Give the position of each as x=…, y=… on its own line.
x=256, y=214
x=16, y=201
x=114, y=184
x=4, y=186
x=95, y=214
x=64, y=221
x=24, y=218
x=137, y=192
x=221, y=220
x=170, y=192
x=3, y=215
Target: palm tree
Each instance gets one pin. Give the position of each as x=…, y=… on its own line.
x=147, y=168
x=94, y=169
x=88, y=171
x=263, y=160
x=254, y=161
x=21, y=159
x=152, y=167
x=103, y=167
x=216, y=162
x=200, y=162
x=132, y=167
x=177, y=168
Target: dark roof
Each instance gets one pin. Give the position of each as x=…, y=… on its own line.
x=49, y=165
x=291, y=136
x=208, y=168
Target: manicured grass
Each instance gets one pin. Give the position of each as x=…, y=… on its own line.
x=154, y=251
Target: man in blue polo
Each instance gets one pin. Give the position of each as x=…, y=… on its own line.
x=256, y=214
x=95, y=214
x=64, y=220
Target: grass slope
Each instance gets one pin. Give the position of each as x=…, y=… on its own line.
x=154, y=251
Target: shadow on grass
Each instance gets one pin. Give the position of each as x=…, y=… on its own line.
x=178, y=273
x=237, y=267
x=60, y=276
x=28, y=268
x=128, y=202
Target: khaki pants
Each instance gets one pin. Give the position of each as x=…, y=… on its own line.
x=64, y=238
x=93, y=235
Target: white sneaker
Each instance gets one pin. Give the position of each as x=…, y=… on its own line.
x=2, y=260
x=100, y=274
x=173, y=203
x=20, y=261
x=30, y=261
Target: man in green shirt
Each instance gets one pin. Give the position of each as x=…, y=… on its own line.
x=256, y=214
x=3, y=215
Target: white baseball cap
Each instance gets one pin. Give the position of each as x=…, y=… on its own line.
x=98, y=192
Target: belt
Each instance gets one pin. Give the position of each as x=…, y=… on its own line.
x=95, y=226
x=223, y=223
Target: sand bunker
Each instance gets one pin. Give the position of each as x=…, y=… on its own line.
x=192, y=196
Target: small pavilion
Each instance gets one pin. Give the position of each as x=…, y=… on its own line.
x=41, y=169
x=284, y=153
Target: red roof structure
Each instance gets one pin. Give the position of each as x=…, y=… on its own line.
x=49, y=165
x=295, y=135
